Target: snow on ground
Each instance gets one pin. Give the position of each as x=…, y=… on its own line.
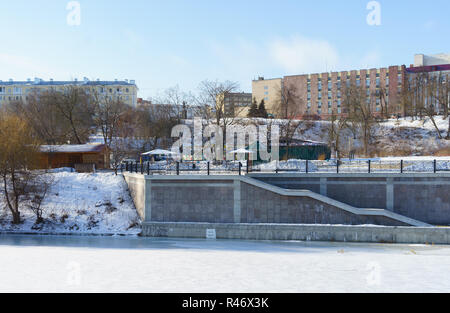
x=81, y=203
x=290, y=165
x=61, y=264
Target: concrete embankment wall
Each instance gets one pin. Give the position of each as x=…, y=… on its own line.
x=423, y=197
x=238, y=199
x=329, y=233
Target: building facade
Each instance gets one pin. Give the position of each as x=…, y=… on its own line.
x=268, y=90
x=235, y=104
x=321, y=95
x=125, y=91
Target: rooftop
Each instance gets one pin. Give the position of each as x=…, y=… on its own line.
x=84, y=82
x=87, y=148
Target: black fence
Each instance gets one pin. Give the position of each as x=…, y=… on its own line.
x=306, y=167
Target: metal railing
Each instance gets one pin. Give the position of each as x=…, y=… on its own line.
x=298, y=166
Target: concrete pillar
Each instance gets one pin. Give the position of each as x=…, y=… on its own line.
x=390, y=194
x=237, y=201
x=148, y=198
x=323, y=186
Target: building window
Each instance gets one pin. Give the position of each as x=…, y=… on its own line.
x=266, y=93
x=320, y=94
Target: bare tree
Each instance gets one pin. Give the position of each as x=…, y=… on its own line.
x=359, y=112
x=336, y=127
x=39, y=188
x=18, y=153
x=73, y=104
x=212, y=100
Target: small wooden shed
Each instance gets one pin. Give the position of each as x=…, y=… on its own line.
x=84, y=158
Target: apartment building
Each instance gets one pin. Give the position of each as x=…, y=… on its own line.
x=125, y=90
x=323, y=94
x=235, y=104
x=268, y=90
x=320, y=95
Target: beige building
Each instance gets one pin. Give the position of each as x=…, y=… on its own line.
x=126, y=91
x=268, y=90
x=235, y=104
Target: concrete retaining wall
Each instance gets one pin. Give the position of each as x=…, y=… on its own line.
x=423, y=197
x=368, y=234
x=239, y=199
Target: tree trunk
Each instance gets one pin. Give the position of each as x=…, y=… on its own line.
x=435, y=126
x=448, y=131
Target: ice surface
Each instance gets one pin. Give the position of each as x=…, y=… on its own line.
x=61, y=264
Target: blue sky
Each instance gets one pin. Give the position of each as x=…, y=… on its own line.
x=179, y=42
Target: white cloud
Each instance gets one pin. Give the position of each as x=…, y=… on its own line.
x=371, y=60
x=303, y=55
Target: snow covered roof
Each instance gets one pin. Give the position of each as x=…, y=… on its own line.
x=88, y=148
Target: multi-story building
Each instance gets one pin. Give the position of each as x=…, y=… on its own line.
x=434, y=71
x=268, y=90
x=235, y=104
x=175, y=110
x=323, y=94
x=126, y=91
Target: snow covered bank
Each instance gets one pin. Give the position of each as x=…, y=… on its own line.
x=80, y=203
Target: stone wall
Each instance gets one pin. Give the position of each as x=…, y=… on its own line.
x=424, y=197
x=328, y=233
x=238, y=199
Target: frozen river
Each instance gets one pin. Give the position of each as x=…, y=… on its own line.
x=131, y=264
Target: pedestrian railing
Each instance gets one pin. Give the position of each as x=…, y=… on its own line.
x=296, y=166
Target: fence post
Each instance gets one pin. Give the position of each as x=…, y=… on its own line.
x=240, y=168
x=435, y=166
x=369, y=166
x=178, y=168
x=337, y=166
x=276, y=167
x=208, y=168
x=126, y=166
x=136, y=167
x=401, y=166
x=248, y=169
x=307, y=166
x=142, y=169
x=148, y=168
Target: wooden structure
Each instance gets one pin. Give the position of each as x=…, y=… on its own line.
x=84, y=158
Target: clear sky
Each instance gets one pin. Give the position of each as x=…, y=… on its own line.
x=182, y=42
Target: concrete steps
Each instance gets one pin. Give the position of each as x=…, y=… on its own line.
x=332, y=202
